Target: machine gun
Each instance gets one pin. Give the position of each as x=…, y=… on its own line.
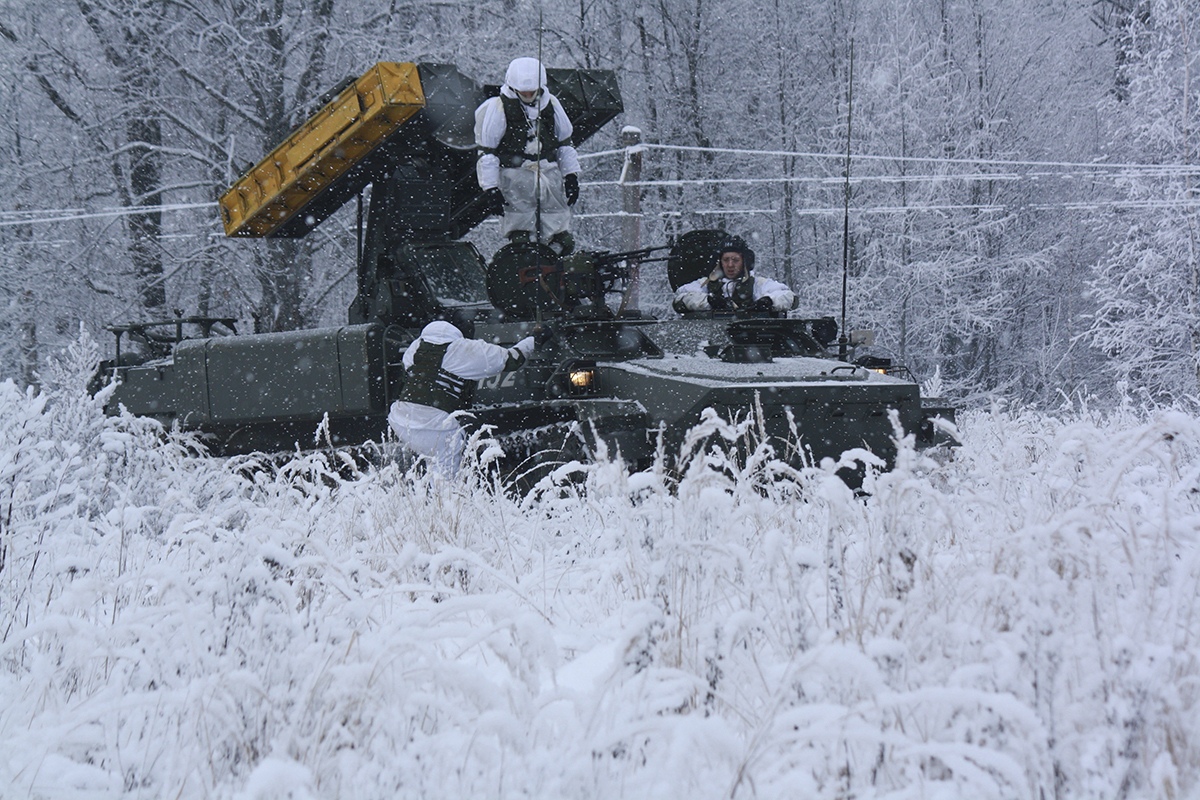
x=526, y=281
x=595, y=275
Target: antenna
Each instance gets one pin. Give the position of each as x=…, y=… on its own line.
x=537, y=134
x=536, y=250
x=843, y=339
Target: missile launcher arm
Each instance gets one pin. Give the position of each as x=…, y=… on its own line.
x=326, y=160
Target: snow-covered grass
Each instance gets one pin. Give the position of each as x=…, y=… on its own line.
x=1020, y=621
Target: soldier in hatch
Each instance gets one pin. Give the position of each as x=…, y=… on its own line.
x=527, y=166
x=441, y=368
x=733, y=287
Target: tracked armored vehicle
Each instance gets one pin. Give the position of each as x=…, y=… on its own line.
x=608, y=375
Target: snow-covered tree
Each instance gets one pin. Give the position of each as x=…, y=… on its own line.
x=1147, y=288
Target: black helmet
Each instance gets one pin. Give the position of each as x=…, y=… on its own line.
x=736, y=244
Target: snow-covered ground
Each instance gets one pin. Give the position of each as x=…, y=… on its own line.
x=1022, y=621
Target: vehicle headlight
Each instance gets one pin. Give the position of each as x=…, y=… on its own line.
x=582, y=379
x=574, y=378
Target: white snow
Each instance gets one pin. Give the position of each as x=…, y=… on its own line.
x=1019, y=621
x=711, y=372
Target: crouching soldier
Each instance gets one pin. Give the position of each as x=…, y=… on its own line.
x=441, y=370
x=732, y=286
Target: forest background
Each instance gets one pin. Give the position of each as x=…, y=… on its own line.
x=1019, y=620
x=1022, y=205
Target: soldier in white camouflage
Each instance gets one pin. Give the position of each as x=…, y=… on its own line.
x=441, y=370
x=527, y=166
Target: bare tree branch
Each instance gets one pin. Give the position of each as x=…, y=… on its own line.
x=222, y=100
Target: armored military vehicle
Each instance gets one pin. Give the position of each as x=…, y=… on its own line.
x=607, y=375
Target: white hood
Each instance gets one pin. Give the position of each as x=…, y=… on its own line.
x=525, y=75
x=439, y=332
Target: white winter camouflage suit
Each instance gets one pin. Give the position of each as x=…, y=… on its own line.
x=431, y=431
x=519, y=185
x=694, y=296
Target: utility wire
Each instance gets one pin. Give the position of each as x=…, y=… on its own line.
x=1183, y=168
x=1089, y=168
x=72, y=215
x=1080, y=206
x=1062, y=170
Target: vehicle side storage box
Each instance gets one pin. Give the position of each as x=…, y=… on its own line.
x=282, y=376
x=149, y=390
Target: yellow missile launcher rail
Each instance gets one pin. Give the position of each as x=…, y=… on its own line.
x=287, y=193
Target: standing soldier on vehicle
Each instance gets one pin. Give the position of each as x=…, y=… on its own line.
x=527, y=167
x=732, y=287
x=441, y=369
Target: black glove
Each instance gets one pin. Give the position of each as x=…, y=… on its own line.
x=718, y=301
x=571, y=185
x=493, y=201
x=542, y=334
x=763, y=304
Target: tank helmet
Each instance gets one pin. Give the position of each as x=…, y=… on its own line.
x=525, y=75
x=736, y=244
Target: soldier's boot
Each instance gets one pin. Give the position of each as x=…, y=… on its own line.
x=562, y=243
x=520, y=237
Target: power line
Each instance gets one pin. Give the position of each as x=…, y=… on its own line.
x=838, y=182
x=987, y=208
x=1063, y=170
x=1187, y=169
x=918, y=208
x=73, y=215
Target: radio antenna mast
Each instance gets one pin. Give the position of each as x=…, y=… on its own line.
x=537, y=134
x=843, y=339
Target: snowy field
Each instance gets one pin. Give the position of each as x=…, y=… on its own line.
x=1022, y=621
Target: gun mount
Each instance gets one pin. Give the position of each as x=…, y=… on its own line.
x=609, y=373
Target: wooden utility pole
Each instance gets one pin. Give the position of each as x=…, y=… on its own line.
x=631, y=202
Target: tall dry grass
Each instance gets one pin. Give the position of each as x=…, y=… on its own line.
x=1018, y=621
